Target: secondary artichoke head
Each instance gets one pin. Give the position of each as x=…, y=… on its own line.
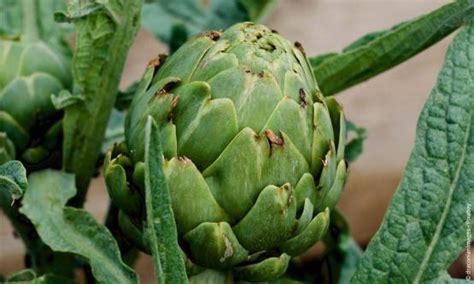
x=253, y=152
x=30, y=72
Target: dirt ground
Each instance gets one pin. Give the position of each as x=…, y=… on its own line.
x=388, y=106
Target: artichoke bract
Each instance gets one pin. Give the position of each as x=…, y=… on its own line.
x=253, y=151
x=30, y=126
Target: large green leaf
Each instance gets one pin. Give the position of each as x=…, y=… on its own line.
x=173, y=21
x=13, y=184
x=160, y=225
x=72, y=230
x=425, y=229
x=380, y=51
x=104, y=33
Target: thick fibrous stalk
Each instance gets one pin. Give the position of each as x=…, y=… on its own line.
x=102, y=42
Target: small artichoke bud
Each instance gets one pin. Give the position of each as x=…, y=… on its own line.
x=118, y=186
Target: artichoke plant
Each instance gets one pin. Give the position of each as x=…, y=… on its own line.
x=253, y=151
x=30, y=126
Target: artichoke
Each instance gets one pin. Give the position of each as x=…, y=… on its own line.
x=253, y=151
x=30, y=126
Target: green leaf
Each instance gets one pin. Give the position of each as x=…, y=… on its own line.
x=159, y=17
x=65, y=99
x=104, y=33
x=179, y=35
x=22, y=275
x=425, y=229
x=355, y=145
x=161, y=227
x=13, y=182
x=257, y=9
x=351, y=255
x=174, y=21
x=28, y=276
x=380, y=51
x=72, y=230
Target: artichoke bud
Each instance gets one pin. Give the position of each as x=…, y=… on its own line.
x=251, y=148
x=118, y=171
x=30, y=72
